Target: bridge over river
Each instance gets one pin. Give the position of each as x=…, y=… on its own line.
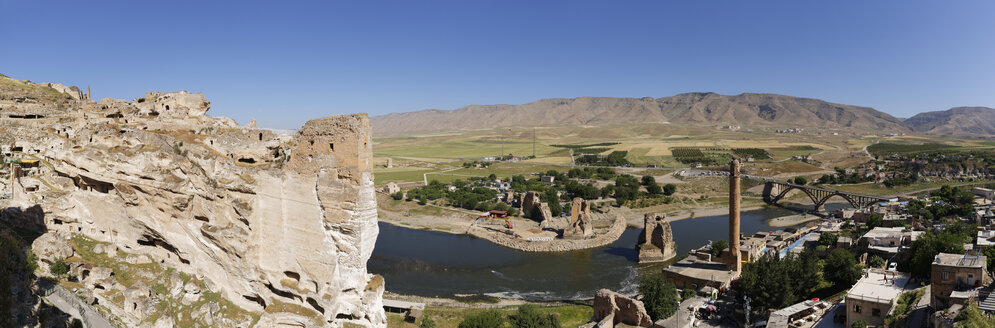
x=775, y=190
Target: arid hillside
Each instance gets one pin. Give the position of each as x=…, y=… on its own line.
x=695, y=108
x=958, y=121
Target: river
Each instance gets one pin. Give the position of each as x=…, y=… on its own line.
x=428, y=263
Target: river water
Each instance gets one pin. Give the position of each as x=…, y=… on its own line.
x=428, y=263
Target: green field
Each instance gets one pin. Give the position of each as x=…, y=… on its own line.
x=569, y=315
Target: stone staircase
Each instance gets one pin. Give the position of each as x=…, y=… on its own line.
x=987, y=300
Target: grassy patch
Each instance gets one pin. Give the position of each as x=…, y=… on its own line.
x=450, y=317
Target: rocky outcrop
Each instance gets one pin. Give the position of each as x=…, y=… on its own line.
x=556, y=245
x=262, y=217
x=620, y=309
x=656, y=243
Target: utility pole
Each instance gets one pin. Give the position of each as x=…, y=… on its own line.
x=502, y=145
x=533, y=142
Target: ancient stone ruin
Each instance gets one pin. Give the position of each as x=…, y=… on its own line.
x=656, y=243
x=581, y=223
x=535, y=209
x=272, y=222
x=611, y=308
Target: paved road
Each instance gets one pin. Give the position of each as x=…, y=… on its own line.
x=67, y=302
x=919, y=313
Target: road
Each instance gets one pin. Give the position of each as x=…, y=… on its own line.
x=67, y=302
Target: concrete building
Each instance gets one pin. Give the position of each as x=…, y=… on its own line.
x=888, y=240
x=954, y=278
x=547, y=178
x=797, y=315
x=391, y=188
x=873, y=297
x=984, y=192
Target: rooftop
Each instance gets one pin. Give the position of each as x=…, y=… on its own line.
x=875, y=287
x=960, y=260
x=882, y=232
x=703, y=270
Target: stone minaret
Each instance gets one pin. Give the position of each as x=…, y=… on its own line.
x=734, y=199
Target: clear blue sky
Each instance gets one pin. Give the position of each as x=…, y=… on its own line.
x=284, y=62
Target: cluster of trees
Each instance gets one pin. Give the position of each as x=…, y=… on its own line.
x=948, y=201
x=799, y=181
x=756, y=153
x=466, y=195
x=887, y=149
x=840, y=177
x=476, y=163
x=691, y=155
x=615, y=158
x=922, y=251
x=902, y=179
x=772, y=282
x=527, y=316
x=600, y=173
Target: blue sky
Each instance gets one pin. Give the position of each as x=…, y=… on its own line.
x=283, y=62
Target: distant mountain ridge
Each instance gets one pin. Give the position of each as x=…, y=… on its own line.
x=957, y=121
x=750, y=109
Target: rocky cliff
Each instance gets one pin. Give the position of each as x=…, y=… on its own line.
x=271, y=222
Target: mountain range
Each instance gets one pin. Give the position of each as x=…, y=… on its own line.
x=748, y=109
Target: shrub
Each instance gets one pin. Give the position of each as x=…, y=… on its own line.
x=483, y=319
x=59, y=267
x=528, y=317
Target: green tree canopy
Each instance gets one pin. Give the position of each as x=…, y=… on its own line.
x=669, y=189
x=659, y=296
x=841, y=268
x=718, y=246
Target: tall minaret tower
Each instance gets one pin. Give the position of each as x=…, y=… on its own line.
x=734, y=199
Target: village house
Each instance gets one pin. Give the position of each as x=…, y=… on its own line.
x=873, y=297
x=889, y=240
x=955, y=278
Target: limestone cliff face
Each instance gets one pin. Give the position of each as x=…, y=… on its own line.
x=264, y=218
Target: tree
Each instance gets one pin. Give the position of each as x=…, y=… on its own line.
x=427, y=323
x=528, y=316
x=654, y=189
x=397, y=195
x=659, y=296
x=974, y=318
x=841, y=268
x=59, y=267
x=492, y=177
x=801, y=180
x=924, y=249
x=483, y=319
x=860, y=323
x=768, y=282
x=648, y=180
x=828, y=238
x=718, y=246
x=669, y=189
x=554, y=202
x=874, y=220
x=875, y=261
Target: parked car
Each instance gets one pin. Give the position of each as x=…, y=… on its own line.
x=892, y=266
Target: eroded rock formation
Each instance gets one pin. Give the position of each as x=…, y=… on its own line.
x=656, y=243
x=263, y=218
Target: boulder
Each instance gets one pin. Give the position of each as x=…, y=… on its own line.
x=52, y=246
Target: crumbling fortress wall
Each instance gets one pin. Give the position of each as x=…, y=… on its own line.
x=264, y=218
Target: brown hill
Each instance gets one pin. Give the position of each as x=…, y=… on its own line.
x=957, y=121
x=695, y=108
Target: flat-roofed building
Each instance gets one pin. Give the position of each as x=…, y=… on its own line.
x=873, y=296
x=954, y=278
